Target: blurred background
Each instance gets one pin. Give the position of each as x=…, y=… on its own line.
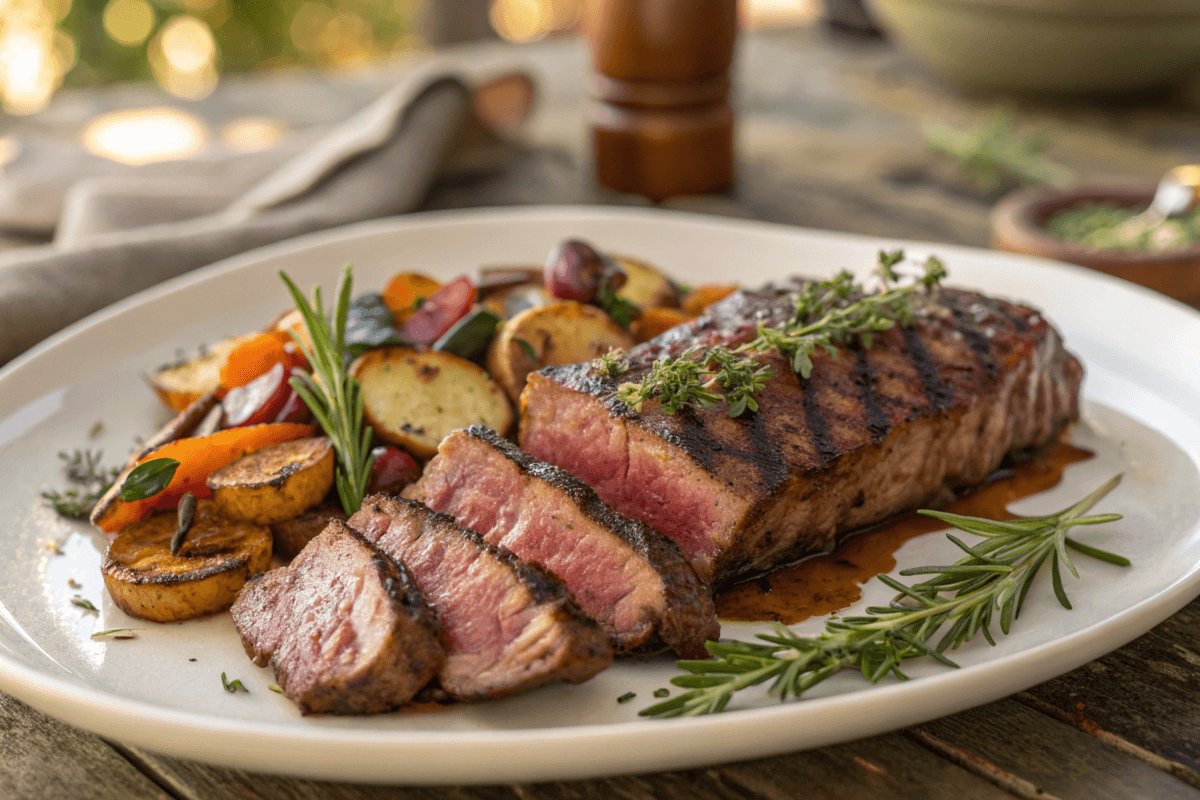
x=188, y=46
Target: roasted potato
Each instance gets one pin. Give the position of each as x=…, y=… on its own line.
x=179, y=385
x=507, y=303
x=276, y=483
x=413, y=399
x=564, y=332
x=217, y=557
x=646, y=286
x=654, y=321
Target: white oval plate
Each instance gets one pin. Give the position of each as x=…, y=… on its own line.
x=163, y=689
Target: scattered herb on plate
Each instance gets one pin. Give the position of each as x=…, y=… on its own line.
x=115, y=633
x=234, y=685
x=89, y=480
x=989, y=583
x=85, y=604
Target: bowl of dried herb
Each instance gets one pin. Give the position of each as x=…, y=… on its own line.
x=1090, y=226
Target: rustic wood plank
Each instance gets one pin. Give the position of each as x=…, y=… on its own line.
x=1144, y=693
x=44, y=759
x=878, y=768
x=1055, y=758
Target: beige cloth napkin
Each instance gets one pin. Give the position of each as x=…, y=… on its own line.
x=116, y=236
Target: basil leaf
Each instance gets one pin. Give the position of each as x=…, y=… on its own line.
x=148, y=479
x=371, y=324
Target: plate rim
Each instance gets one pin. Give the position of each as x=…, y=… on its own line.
x=110, y=715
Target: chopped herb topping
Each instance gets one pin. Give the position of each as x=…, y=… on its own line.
x=625, y=698
x=234, y=685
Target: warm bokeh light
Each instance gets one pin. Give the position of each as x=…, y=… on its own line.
x=522, y=20
x=10, y=148
x=183, y=57
x=29, y=69
x=129, y=22
x=143, y=135
x=768, y=13
x=247, y=134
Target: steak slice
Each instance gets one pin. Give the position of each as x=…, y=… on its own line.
x=626, y=575
x=509, y=626
x=343, y=626
x=872, y=432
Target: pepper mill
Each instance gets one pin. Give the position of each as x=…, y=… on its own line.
x=661, y=120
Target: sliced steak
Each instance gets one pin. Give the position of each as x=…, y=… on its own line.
x=872, y=432
x=509, y=626
x=627, y=576
x=343, y=626
x=292, y=535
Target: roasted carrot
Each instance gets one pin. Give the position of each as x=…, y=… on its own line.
x=198, y=457
x=257, y=355
x=405, y=292
x=704, y=295
x=654, y=321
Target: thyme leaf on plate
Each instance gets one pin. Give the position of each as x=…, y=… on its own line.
x=89, y=480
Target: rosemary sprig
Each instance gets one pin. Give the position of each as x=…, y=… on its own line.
x=333, y=396
x=827, y=314
x=91, y=480
x=989, y=584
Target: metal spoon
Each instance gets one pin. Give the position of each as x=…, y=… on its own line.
x=1175, y=196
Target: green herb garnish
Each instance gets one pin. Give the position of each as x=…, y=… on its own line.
x=234, y=685
x=1107, y=226
x=183, y=521
x=148, y=479
x=664, y=692
x=827, y=314
x=625, y=698
x=84, y=604
x=994, y=157
x=612, y=364
x=115, y=633
x=84, y=470
x=333, y=396
x=990, y=581
x=275, y=689
x=621, y=310
x=526, y=348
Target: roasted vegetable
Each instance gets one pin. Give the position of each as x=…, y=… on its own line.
x=470, y=336
x=654, y=321
x=405, y=293
x=216, y=558
x=391, y=470
x=412, y=399
x=512, y=301
x=255, y=356
x=198, y=458
x=370, y=324
x=439, y=312
x=179, y=385
x=267, y=398
x=565, y=332
x=274, y=483
x=646, y=286
x=704, y=295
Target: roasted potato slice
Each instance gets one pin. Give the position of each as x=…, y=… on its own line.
x=564, y=332
x=647, y=286
x=179, y=385
x=413, y=399
x=276, y=483
x=146, y=581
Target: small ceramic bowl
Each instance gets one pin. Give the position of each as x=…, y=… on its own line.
x=1018, y=225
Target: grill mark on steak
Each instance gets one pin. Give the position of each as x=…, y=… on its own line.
x=940, y=395
x=914, y=415
x=818, y=429
x=633, y=580
x=864, y=376
x=979, y=342
x=509, y=626
x=766, y=454
x=343, y=627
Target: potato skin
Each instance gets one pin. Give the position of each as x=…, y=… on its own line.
x=646, y=286
x=276, y=483
x=564, y=332
x=179, y=385
x=146, y=581
x=414, y=399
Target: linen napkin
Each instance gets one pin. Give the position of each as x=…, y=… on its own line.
x=117, y=237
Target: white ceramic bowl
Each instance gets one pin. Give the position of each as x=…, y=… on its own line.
x=1048, y=46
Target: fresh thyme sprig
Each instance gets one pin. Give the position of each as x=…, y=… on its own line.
x=990, y=582
x=826, y=314
x=90, y=479
x=333, y=396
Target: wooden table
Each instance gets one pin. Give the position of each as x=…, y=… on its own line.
x=829, y=137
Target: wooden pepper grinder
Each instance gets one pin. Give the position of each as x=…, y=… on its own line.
x=661, y=120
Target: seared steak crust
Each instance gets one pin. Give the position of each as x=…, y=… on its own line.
x=509, y=626
x=343, y=627
x=872, y=432
x=633, y=580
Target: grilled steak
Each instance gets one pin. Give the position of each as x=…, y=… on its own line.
x=871, y=433
x=626, y=575
x=291, y=535
x=509, y=626
x=343, y=626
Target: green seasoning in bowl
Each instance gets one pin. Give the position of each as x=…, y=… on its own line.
x=1105, y=226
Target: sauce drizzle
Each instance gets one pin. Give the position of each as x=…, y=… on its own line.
x=823, y=584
